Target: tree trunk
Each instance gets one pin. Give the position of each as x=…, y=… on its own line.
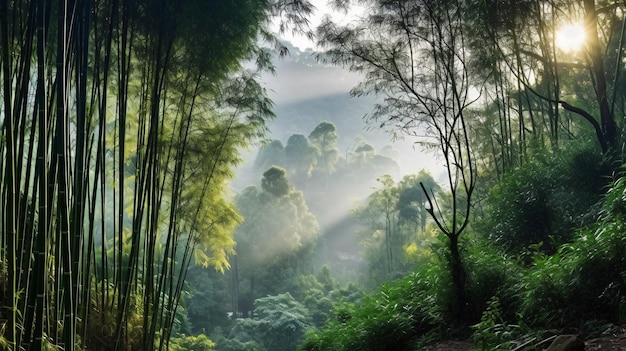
x=607, y=122
x=458, y=280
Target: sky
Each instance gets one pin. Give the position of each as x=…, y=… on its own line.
x=300, y=81
x=300, y=77
x=297, y=81
x=321, y=9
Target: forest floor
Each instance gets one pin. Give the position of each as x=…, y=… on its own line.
x=613, y=342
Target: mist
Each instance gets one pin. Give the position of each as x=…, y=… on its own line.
x=307, y=93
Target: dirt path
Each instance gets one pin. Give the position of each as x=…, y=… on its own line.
x=607, y=343
x=614, y=342
x=452, y=346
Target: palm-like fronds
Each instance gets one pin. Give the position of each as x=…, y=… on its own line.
x=120, y=124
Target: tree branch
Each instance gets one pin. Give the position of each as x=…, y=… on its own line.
x=590, y=119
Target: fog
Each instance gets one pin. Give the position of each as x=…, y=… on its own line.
x=306, y=93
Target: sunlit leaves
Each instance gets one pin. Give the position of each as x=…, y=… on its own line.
x=144, y=105
x=196, y=343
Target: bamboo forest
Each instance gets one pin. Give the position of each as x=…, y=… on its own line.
x=443, y=175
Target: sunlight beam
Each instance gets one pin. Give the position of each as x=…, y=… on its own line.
x=571, y=38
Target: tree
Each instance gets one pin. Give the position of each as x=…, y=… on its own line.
x=275, y=181
x=274, y=242
x=360, y=154
x=412, y=201
x=414, y=54
x=207, y=300
x=282, y=320
x=120, y=126
x=196, y=343
x=522, y=40
x=380, y=215
x=299, y=159
x=280, y=323
x=324, y=137
x=394, y=217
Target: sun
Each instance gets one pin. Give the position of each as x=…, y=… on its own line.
x=571, y=38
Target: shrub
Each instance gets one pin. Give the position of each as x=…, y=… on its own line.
x=195, y=343
x=585, y=279
x=544, y=200
x=491, y=275
x=493, y=332
x=394, y=318
x=282, y=321
x=224, y=344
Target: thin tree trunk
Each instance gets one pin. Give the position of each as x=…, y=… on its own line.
x=458, y=280
x=609, y=126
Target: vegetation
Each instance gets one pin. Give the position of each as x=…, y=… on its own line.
x=122, y=122
x=121, y=125
x=517, y=119
x=395, y=226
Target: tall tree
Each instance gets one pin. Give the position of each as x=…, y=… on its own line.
x=324, y=137
x=120, y=124
x=299, y=159
x=394, y=218
x=412, y=201
x=522, y=37
x=413, y=54
x=274, y=242
x=382, y=239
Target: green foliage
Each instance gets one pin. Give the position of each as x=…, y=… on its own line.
x=412, y=200
x=319, y=306
x=278, y=324
x=394, y=318
x=299, y=159
x=196, y=343
x=225, y=344
x=493, y=333
x=491, y=275
x=544, y=200
x=582, y=281
x=394, y=218
x=615, y=199
x=104, y=311
x=282, y=321
x=276, y=239
x=207, y=299
x=319, y=294
x=275, y=181
x=324, y=138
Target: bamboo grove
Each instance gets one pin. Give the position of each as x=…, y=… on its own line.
x=487, y=85
x=533, y=95
x=121, y=121
x=544, y=94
